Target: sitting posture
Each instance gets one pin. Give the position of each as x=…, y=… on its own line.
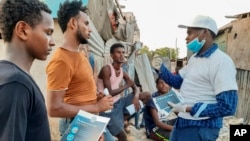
x=110, y=77
x=157, y=129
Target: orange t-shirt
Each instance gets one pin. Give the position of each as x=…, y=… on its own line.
x=72, y=72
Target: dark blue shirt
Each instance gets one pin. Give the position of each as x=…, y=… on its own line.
x=23, y=114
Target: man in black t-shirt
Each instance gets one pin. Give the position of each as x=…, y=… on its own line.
x=26, y=28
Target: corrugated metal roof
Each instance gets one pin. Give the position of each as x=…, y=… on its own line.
x=54, y=5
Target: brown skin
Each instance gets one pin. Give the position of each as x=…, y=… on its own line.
x=201, y=34
x=162, y=88
x=24, y=46
x=105, y=73
x=56, y=106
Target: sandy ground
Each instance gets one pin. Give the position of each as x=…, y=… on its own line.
x=139, y=135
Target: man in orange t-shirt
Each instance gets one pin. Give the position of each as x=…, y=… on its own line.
x=70, y=83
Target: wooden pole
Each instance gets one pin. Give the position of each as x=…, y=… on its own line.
x=118, y=5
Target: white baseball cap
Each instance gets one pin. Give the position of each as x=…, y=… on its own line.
x=201, y=21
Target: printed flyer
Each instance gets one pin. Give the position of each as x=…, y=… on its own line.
x=85, y=127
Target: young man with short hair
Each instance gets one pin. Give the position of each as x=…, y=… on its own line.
x=26, y=28
x=110, y=77
x=70, y=83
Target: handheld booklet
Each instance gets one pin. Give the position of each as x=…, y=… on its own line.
x=161, y=101
x=85, y=127
x=131, y=108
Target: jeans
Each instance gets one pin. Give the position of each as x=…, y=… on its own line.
x=108, y=136
x=64, y=124
x=136, y=116
x=194, y=134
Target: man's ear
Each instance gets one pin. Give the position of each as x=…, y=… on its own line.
x=111, y=55
x=22, y=30
x=72, y=23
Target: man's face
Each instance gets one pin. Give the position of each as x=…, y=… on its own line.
x=193, y=33
x=40, y=41
x=118, y=55
x=162, y=87
x=83, y=29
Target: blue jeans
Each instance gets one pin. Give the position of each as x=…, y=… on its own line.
x=108, y=136
x=136, y=115
x=116, y=122
x=64, y=124
x=194, y=134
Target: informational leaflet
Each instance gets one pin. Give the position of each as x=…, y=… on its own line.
x=85, y=127
x=161, y=101
x=131, y=108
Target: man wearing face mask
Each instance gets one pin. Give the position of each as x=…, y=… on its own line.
x=207, y=84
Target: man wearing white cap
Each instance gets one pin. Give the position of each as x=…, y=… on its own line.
x=207, y=84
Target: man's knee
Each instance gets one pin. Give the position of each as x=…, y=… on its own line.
x=144, y=97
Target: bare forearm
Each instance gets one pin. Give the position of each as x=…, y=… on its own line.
x=119, y=90
x=68, y=110
x=164, y=126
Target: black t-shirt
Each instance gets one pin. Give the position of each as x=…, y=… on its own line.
x=23, y=115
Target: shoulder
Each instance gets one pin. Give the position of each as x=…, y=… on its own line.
x=155, y=94
x=105, y=70
x=9, y=73
x=221, y=57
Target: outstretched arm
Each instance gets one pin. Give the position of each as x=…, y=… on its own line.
x=171, y=79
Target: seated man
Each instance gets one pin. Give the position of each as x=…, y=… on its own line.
x=110, y=77
x=157, y=129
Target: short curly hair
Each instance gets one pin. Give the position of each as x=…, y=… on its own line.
x=13, y=11
x=67, y=10
x=114, y=46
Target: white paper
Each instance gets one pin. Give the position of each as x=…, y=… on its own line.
x=131, y=108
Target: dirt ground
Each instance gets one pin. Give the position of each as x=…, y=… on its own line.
x=139, y=135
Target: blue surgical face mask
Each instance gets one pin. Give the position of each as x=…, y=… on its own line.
x=195, y=45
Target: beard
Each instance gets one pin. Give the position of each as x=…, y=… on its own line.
x=80, y=38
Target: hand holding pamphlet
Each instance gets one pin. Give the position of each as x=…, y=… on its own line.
x=161, y=102
x=131, y=108
x=85, y=127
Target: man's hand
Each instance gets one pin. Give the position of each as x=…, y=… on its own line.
x=156, y=62
x=100, y=95
x=102, y=138
x=136, y=103
x=129, y=82
x=177, y=107
x=105, y=103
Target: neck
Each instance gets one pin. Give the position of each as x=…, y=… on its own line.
x=161, y=93
x=206, y=46
x=116, y=66
x=70, y=43
x=17, y=54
